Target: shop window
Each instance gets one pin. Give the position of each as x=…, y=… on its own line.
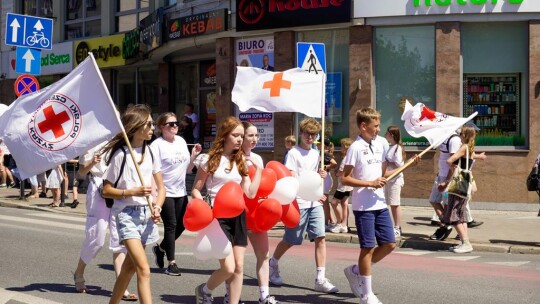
x=39, y=8
x=137, y=86
x=495, y=72
x=83, y=18
x=129, y=13
x=404, y=67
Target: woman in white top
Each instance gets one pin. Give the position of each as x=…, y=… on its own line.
x=176, y=161
x=225, y=163
x=392, y=189
x=341, y=196
x=136, y=223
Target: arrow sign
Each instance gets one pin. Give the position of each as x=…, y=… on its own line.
x=38, y=26
x=28, y=58
x=28, y=61
x=29, y=31
x=14, y=29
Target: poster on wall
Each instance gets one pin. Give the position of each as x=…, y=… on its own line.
x=333, y=100
x=257, y=52
x=207, y=95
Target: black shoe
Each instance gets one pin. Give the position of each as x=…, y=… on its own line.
x=447, y=231
x=43, y=195
x=62, y=204
x=435, y=223
x=457, y=238
x=474, y=223
x=438, y=233
x=159, y=255
x=173, y=270
x=74, y=204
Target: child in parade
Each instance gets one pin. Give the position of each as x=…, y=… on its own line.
x=303, y=158
x=136, y=222
x=290, y=141
x=340, y=201
x=392, y=189
x=329, y=164
x=225, y=162
x=54, y=182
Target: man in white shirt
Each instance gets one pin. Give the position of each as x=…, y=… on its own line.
x=188, y=109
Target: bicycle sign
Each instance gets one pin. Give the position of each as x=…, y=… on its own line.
x=23, y=30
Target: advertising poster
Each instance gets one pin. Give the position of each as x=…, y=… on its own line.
x=207, y=93
x=257, y=52
x=333, y=101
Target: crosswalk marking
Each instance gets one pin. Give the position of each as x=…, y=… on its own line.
x=58, y=216
x=511, y=264
x=460, y=257
x=415, y=252
x=41, y=222
x=7, y=296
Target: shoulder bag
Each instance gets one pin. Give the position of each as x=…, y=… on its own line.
x=461, y=183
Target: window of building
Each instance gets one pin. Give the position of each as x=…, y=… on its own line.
x=39, y=8
x=83, y=18
x=129, y=13
x=404, y=67
x=137, y=86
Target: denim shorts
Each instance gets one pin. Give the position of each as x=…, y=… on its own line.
x=135, y=222
x=312, y=221
x=374, y=227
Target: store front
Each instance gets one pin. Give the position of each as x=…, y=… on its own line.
x=458, y=58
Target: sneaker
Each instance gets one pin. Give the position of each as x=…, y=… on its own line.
x=397, y=232
x=74, y=204
x=3, y=186
x=325, y=286
x=338, y=229
x=172, y=269
x=474, y=223
x=275, y=278
x=448, y=230
x=435, y=223
x=201, y=297
x=12, y=185
x=159, y=255
x=43, y=195
x=463, y=248
x=269, y=300
x=226, y=299
x=329, y=227
x=441, y=233
x=370, y=299
x=354, y=280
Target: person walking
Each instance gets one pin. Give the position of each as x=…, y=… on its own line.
x=392, y=189
x=136, y=222
x=176, y=161
x=340, y=201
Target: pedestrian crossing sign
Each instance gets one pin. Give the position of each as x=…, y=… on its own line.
x=311, y=57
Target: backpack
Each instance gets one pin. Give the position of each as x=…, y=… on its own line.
x=447, y=143
x=533, y=179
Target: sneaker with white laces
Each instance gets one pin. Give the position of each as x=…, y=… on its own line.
x=337, y=229
x=325, y=286
x=354, y=280
x=173, y=270
x=370, y=299
x=226, y=299
x=275, y=278
x=397, y=232
x=201, y=297
x=269, y=300
x=463, y=248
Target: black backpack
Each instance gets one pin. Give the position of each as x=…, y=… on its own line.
x=533, y=178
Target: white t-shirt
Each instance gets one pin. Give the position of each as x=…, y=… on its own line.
x=395, y=156
x=367, y=160
x=215, y=181
x=130, y=178
x=174, y=159
x=256, y=157
x=453, y=146
x=340, y=186
x=195, y=119
x=299, y=160
x=98, y=169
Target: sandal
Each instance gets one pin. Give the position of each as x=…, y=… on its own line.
x=79, y=283
x=130, y=297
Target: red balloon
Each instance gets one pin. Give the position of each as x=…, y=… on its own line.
x=198, y=215
x=291, y=215
x=251, y=203
x=267, y=214
x=229, y=201
x=268, y=182
x=251, y=172
x=279, y=168
x=251, y=223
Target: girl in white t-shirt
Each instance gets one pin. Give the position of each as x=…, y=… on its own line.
x=136, y=222
x=392, y=189
x=225, y=162
x=341, y=196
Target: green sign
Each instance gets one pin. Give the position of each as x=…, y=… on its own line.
x=463, y=2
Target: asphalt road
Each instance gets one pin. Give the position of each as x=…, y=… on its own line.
x=40, y=250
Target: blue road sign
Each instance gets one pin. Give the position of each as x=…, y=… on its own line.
x=311, y=57
x=26, y=84
x=23, y=30
x=28, y=61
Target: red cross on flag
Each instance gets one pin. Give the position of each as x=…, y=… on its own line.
x=64, y=120
x=294, y=90
x=421, y=121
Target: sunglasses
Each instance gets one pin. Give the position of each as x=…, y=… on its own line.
x=172, y=124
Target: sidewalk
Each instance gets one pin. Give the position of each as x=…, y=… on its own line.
x=502, y=231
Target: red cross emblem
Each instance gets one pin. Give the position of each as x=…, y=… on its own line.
x=53, y=122
x=276, y=84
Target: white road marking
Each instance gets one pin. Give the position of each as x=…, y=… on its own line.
x=7, y=296
x=511, y=264
x=460, y=257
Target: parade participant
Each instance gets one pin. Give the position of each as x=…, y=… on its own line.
x=98, y=218
x=176, y=161
x=303, y=158
x=329, y=164
x=392, y=189
x=136, y=222
x=341, y=196
x=225, y=162
x=54, y=182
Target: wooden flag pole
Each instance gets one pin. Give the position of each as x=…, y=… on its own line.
x=408, y=164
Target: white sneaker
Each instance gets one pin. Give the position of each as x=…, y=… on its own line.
x=354, y=280
x=329, y=227
x=370, y=299
x=463, y=248
x=397, y=232
x=275, y=278
x=337, y=229
x=325, y=286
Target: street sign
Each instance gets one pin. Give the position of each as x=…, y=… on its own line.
x=28, y=61
x=311, y=57
x=26, y=84
x=23, y=30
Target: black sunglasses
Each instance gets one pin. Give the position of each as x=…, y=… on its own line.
x=172, y=124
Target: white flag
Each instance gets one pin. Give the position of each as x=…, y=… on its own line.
x=436, y=127
x=64, y=120
x=294, y=90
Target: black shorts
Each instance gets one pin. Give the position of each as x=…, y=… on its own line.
x=341, y=194
x=6, y=160
x=235, y=229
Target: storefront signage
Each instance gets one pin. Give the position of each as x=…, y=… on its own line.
x=106, y=50
x=195, y=25
x=131, y=44
x=267, y=14
x=390, y=8
x=59, y=60
x=265, y=127
x=150, y=30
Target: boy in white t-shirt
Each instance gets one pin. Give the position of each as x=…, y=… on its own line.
x=365, y=171
x=303, y=158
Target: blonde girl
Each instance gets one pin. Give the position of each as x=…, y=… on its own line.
x=340, y=200
x=392, y=189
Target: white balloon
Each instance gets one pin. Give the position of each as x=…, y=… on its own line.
x=285, y=190
x=211, y=243
x=201, y=247
x=310, y=186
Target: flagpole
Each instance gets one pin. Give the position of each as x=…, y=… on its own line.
x=408, y=164
x=126, y=139
x=322, y=118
